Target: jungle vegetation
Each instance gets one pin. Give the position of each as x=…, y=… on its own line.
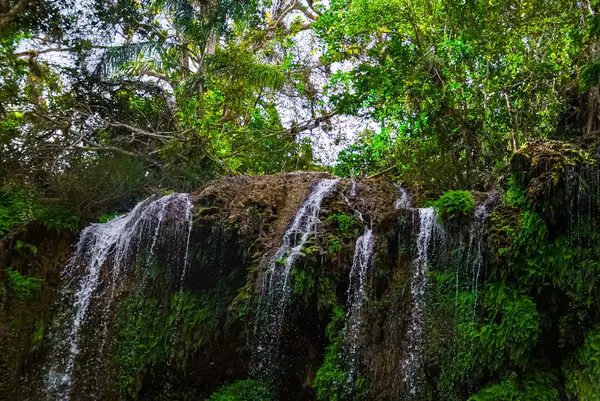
x=104, y=102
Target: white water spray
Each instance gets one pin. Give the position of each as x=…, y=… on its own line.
x=413, y=359
x=277, y=285
x=115, y=245
x=356, y=298
x=405, y=201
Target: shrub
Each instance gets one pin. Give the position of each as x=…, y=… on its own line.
x=331, y=377
x=24, y=286
x=454, y=204
x=242, y=390
x=345, y=224
x=583, y=368
x=18, y=207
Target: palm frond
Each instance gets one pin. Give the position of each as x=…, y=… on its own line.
x=115, y=57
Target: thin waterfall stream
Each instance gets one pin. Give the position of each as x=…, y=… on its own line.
x=115, y=245
x=412, y=362
x=476, y=244
x=356, y=298
x=277, y=284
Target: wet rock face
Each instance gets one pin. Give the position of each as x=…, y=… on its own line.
x=238, y=225
x=354, y=321
x=23, y=317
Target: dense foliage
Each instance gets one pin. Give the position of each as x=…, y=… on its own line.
x=453, y=204
x=104, y=103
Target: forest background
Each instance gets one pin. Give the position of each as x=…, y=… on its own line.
x=105, y=102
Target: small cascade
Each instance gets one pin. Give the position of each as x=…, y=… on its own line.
x=405, y=201
x=277, y=284
x=89, y=288
x=353, y=188
x=356, y=297
x=412, y=362
x=473, y=256
x=476, y=245
x=582, y=193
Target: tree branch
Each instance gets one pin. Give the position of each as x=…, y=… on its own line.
x=6, y=18
x=35, y=53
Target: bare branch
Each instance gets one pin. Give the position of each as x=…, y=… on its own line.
x=35, y=53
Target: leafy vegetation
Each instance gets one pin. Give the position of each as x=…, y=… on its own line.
x=103, y=104
x=198, y=90
x=24, y=286
x=453, y=204
x=242, y=390
x=331, y=379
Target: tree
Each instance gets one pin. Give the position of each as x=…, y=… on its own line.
x=459, y=86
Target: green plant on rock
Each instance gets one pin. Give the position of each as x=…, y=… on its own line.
x=308, y=284
x=536, y=386
x=144, y=338
x=197, y=318
x=331, y=379
x=334, y=245
x=38, y=335
x=308, y=250
x=515, y=195
x=453, y=204
x=583, y=369
x=346, y=225
x=242, y=390
x=25, y=287
x=22, y=246
x=105, y=218
x=511, y=330
x=304, y=281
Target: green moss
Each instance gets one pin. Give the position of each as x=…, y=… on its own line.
x=331, y=379
x=583, y=370
x=514, y=196
x=242, y=390
x=345, y=224
x=510, y=334
x=144, y=341
x=25, y=287
x=453, y=204
x=334, y=245
x=536, y=386
x=155, y=331
x=197, y=318
x=308, y=284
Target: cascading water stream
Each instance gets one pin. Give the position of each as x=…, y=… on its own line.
x=412, y=362
x=405, y=201
x=114, y=245
x=356, y=297
x=277, y=284
x=475, y=250
x=476, y=242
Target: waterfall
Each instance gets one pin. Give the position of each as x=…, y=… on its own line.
x=356, y=297
x=405, y=201
x=90, y=289
x=476, y=247
x=277, y=286
x=411, y=364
